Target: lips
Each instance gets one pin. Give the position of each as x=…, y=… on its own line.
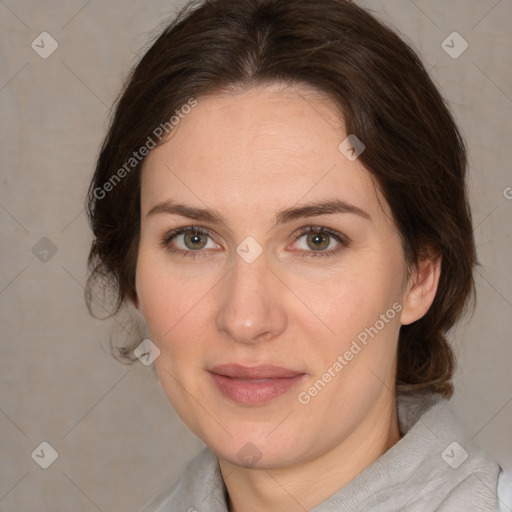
x=253, y=372
x=254, y=385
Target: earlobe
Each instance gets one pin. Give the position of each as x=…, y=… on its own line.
x=421, y=289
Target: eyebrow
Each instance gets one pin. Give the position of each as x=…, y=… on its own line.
x=282, y=217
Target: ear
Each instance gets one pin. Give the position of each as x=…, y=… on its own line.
x=421, y=288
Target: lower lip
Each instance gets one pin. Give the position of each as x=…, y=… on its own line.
x=253, y=391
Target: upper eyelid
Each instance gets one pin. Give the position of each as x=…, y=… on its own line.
x=343, y=239
x=169, y=235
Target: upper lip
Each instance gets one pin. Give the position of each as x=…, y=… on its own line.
x=254, y=372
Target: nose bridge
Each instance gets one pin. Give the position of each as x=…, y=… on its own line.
x=249, y=308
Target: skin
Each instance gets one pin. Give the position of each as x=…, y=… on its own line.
x=249, y=155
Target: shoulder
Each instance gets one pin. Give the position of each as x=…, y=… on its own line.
x=505, y=491
x=199, y=486
x=460, y=474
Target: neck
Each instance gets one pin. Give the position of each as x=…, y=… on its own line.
x=305, y=485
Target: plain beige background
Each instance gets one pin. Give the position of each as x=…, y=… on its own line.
x=117, y=438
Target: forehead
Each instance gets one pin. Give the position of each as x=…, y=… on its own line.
x=266, y=147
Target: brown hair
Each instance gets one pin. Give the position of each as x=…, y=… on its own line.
x=413, y=148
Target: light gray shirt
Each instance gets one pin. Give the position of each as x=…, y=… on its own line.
x=433, y=467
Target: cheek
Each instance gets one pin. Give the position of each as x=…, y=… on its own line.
x=175, y=323
x=352, y=297
x=168, y=301
x=358, y=306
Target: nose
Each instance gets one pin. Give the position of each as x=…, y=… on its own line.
x=249, y=310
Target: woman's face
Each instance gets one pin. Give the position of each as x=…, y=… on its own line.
x=277, y=315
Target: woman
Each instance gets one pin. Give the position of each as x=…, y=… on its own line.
x=281, y=195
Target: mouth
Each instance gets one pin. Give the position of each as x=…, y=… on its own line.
x=254, y=385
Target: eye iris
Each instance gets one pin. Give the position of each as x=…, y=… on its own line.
x=193, y=240
x=318, y=241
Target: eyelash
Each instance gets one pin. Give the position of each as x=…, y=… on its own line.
x=166, y=242
x=343, y=241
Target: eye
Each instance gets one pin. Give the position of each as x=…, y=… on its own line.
x=189, y=240
x=315, y=241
